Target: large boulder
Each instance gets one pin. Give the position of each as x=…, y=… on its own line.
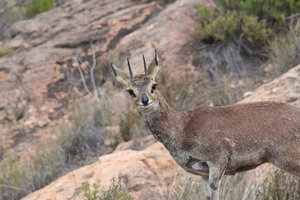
x=147, y=174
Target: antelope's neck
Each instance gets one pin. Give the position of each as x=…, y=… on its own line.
x=165, y=123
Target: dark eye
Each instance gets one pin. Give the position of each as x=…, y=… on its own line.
x=131, y=93
x=153, y=88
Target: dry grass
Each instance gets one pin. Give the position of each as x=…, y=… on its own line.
x=41, y=167
x=281, y=186
x=285, y=51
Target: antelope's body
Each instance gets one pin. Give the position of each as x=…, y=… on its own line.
x=212, y=141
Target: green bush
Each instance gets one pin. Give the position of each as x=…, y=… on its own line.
x=6, y=51
x=233, y=25
x=44, y=165
x=250, y=23
x=38, y=6
x=273, y=11
x=116, y=191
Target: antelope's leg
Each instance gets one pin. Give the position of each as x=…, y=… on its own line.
x=207, y=189
x=216, y=172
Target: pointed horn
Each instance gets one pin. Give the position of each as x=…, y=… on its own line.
x=130, y=72
x=145, y=68
x=156, y=57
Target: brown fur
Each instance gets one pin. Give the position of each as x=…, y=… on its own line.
x=212, y=141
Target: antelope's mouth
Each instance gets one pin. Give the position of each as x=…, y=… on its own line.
x=145, y=106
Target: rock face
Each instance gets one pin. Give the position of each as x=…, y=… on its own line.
x=285, y=88
x=148, y=174
x=36, y=80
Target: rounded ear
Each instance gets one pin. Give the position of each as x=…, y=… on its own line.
x=121, y=76
x=153, y=67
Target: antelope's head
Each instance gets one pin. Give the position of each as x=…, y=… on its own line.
x=142, y=88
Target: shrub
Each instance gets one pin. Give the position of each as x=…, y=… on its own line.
x=38, y=6
x=83, y=132
x=48, y=160
x=116, y=191
x=43, y=165
x=273, y=11
x=6, y=51
x=233, y=25
x=285, y=51
x=245, y=21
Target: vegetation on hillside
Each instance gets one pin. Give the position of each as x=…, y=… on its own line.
x=6, y=51
x=237, y=36
x=116, y=191
x=251, y=23
x=15, y=10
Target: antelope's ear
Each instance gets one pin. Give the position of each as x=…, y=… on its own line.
x=153, y=67
x=121, y=76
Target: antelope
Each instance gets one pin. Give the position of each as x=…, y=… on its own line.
x=213, y=141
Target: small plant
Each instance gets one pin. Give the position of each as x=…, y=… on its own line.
x=6, y=51
x=116, y=191
x=39, y=6
x=91, y=193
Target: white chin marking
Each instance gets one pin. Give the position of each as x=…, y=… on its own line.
x=147, y=106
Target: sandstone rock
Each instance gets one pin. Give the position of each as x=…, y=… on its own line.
x=39, y=72
x=148, y=174
x=170, y=34
x=285, y=88
x=136, y=144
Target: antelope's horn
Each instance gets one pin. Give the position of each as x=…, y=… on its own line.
x=130, y=72
x=145, y=68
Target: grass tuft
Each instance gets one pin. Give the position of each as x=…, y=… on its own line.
x=285, y=51
x=38, y=6
x=6, y=51
x=41, y=167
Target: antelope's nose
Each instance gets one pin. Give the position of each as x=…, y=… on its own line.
x=144, y=99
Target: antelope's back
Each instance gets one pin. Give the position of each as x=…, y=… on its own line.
x=245, y=125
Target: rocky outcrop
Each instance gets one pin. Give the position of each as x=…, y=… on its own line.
x=147, y=174
x=285, y=88
x=37, y=79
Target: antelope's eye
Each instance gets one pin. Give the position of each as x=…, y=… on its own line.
x=131, y=93
x=153, y=88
